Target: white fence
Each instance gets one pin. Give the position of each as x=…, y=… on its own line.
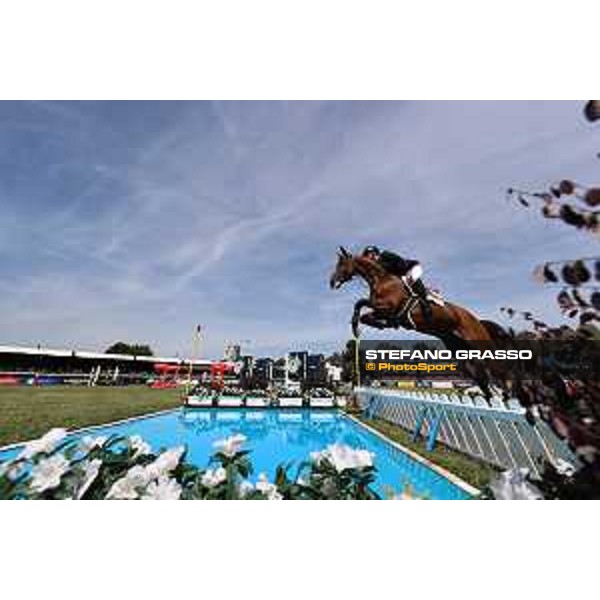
x=495, y=431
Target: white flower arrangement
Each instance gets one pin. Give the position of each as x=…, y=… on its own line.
x=344, y=457
x=163, y=488
x=165, y=463
x=231, y=445
x=214, y=477
x=88, y=443
x=119, y=468
x=513, y=485
x=139, y=445
x=45, y=444
x=127, y=487
x=46, y=474
x=92, y=468
x=245, y=488
x=11, y=469
x=268, y=489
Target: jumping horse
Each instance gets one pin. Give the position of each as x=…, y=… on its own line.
x=393, y=304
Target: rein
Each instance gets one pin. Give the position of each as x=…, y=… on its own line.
x=370, y=271
x=409, y=304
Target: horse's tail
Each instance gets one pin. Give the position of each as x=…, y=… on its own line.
x=497, y=333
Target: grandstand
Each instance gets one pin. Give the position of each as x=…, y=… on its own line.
x=22, y=365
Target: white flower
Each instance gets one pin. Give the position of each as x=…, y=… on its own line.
x=344, y=457
x=406, y=494
x=163, y=489
x=127, y=487
x=231, y=445
x=46, y=474
x=139, y=445
x=263, y=484
x=213, y=477
x=92, y=469
x=123, y=489
x=513, y=485
x=318, y=456
x=88, y=443
x=166, y=462
x=138, y=477
x=267, y=488
x=46, y=443
x=564, y=467
x=245, y=488
x=12, y=469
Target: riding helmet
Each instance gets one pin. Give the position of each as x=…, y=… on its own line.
x=372, y=250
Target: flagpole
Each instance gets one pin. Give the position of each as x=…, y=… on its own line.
x=195, y=350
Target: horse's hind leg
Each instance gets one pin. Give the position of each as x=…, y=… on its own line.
x=480, y=376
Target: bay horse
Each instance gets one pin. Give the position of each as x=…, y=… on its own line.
x=393, y=304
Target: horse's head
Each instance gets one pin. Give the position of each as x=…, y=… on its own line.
x=344, y=269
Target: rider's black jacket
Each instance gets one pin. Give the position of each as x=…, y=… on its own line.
x=396, y=264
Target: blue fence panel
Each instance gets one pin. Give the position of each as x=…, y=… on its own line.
x=495, y=431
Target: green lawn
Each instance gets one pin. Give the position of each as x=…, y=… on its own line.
x=475, y=472
x=28, y=412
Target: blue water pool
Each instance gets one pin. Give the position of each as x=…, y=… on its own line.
x=281, y=436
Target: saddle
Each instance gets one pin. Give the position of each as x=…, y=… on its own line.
x=404, y=317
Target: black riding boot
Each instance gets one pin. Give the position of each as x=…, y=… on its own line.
x=419, y=287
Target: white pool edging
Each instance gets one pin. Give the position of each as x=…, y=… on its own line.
x=467, y=487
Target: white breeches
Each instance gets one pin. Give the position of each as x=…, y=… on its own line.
x=415, y=273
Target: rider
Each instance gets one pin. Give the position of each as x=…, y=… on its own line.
x=409, y=270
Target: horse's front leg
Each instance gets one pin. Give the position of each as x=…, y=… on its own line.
x=363, y=303
x=375, y=320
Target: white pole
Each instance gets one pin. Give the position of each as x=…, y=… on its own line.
x=195, y=341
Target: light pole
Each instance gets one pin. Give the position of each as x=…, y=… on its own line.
x=196, y=338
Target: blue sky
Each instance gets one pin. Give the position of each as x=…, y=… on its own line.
x=135, y=221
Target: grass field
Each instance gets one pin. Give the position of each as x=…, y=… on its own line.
x=475, y=472
x=28, y=412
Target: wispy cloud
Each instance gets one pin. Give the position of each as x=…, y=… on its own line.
x=138, y=220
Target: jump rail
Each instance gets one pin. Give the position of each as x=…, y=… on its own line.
x=495, y=431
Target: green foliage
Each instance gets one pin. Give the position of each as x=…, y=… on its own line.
x=336, y=359
x=569, y=404
x=130, y=349
x=349, y=362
